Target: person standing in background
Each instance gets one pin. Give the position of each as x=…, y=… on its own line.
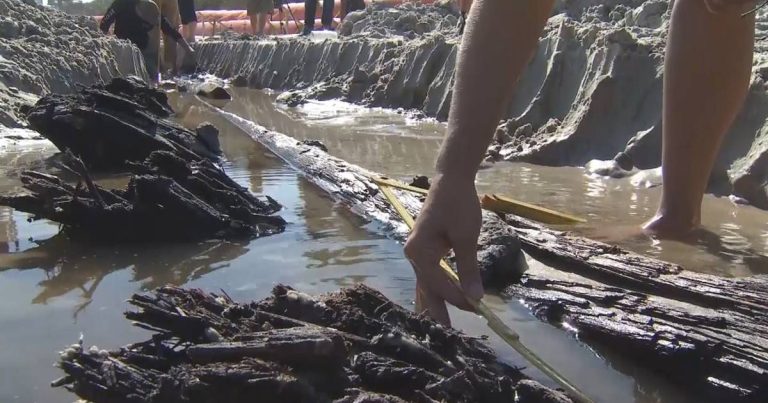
x=169, y=9
x=310, y=9
x=188, y=19
x=259, y=12
x=140, y=22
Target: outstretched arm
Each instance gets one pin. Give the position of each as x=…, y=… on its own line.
x=499, y=41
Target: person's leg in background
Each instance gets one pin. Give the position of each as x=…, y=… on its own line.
x=149, y=12
x=310, y=9
x=253, y=13
x=344, y=9
x=261, y=22
x=706, y=77
x=170, y=10
x=264, y=9
x=327, y=18
x=188, y=19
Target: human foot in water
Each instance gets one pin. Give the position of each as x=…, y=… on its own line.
x=658, y=228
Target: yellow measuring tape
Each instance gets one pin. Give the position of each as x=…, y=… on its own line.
x=494, y=322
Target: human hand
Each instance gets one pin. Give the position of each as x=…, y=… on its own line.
x=450, y=219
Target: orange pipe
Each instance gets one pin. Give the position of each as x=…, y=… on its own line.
x=244, y=27
x=296, y=8
x=212, y=22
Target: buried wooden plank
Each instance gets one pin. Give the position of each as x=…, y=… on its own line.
x=705, y=332
x=349, y=346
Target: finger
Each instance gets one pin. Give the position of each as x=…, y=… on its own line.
x=425, y=257
x=469, y=274
x=420, y=308
x=435, y=308
x=435, y=282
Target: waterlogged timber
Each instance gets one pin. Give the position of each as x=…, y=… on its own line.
x=166, y=199
x=175, y=192
x=708, y=332
x=384, y=141
x=111, y=126
x=354, y=345
x=703, y=331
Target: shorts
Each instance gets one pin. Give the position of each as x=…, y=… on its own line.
x=260, y=7
x=170, y=10
x=187, y=11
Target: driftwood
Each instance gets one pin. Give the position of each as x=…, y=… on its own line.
x=112, y=125
x=351, y=346
x=706, y=333
x=166, y=199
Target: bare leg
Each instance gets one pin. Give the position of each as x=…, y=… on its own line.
x=254, y=23
x=169, y=54
x=706, y=77
x=149, y=12
x=500, y=39
x=189, y=31
x=261, y=22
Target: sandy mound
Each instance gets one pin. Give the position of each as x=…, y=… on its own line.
x=44, y=51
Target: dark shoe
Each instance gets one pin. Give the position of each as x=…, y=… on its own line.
x=328, y=28
x=306, y=32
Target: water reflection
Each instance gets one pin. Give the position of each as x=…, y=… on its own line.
x=70, y=266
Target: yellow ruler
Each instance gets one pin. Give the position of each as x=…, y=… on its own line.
x=494, y=322
x=502, y=204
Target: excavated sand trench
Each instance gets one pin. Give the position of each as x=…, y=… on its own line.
x=592, y=90
x=57, y=289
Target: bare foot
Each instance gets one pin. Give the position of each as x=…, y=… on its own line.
x=663, y=227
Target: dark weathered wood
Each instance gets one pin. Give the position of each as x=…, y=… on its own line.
x=290, y=347
x=303, y=346
x=704, y=332
x=166, y=199
x=111, y=125
x=176, y=191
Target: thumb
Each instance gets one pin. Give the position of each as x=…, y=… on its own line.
x=469, y=274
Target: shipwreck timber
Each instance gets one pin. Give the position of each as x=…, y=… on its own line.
x=704, y=332
x=175, y=191
x=351, y=346
x=112, y=125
